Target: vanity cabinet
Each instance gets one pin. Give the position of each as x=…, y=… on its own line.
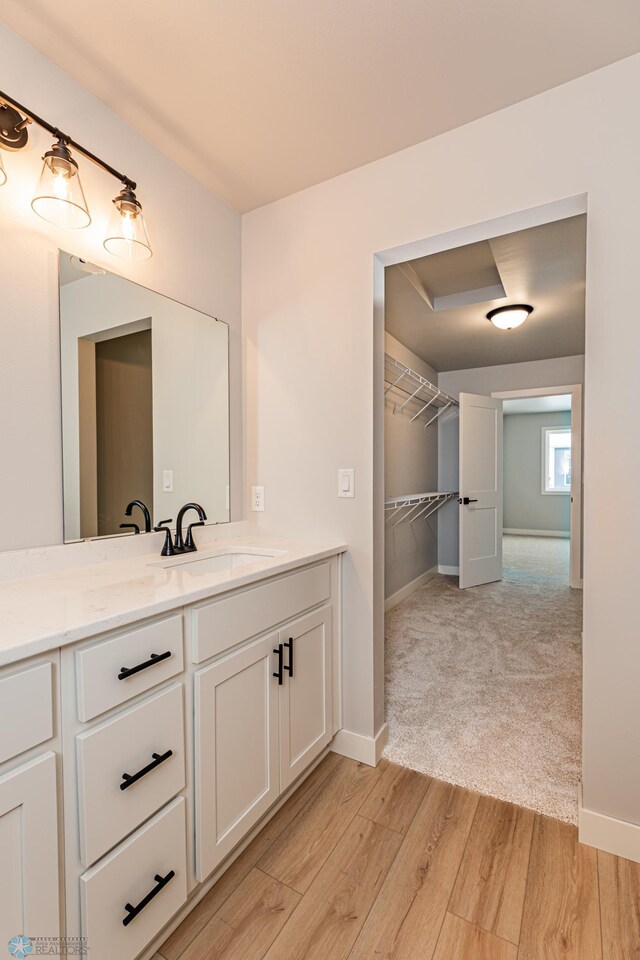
x=262, y=715
x=135, y=761
x=305, y=695
x=29, y=879
x=236, y=749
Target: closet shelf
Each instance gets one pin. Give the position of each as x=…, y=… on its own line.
x=430, y=502
x=413, y=393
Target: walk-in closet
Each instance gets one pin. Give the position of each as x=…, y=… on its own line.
x=483, y=638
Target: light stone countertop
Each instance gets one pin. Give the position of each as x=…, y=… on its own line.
x=48, y=611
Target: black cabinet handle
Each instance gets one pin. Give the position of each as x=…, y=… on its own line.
x=289, y=666
x=158, y=758
x=466, y=500
x=278, y=673
x=154, y=658
x=132, y=912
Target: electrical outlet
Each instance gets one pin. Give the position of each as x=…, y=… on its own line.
x=257, y=499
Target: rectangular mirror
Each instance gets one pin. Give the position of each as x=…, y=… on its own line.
x=145, y=404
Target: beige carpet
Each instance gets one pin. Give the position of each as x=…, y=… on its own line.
x=483, y=686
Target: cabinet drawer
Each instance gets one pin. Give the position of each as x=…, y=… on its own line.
x=26, y=710
x=219, y=625
x=127, y=878
x=129, y=743
x=115, y=670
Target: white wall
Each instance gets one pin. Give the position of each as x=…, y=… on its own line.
x=196, y=243
x=314, y=326
x=556, y=372
x=410, y=466
x=190, y=393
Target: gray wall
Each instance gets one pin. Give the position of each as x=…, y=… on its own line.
x=411, y=466
x=562, y=371
x=525, y=506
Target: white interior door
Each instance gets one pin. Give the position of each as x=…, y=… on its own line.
x=480, y=489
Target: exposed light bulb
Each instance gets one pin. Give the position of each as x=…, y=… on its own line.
x=127, y=234
x=59, y=197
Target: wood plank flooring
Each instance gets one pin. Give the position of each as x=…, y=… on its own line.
x=387, y=864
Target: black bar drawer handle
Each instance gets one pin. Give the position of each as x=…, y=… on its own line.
x=132, y=912
x=278, y=672
x=154, y=658
x=158, y=758
x=289, y=666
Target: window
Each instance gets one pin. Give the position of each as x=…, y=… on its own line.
x=556, y=459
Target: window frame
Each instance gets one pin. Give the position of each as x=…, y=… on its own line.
x=545, y=454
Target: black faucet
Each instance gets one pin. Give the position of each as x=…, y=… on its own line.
x=189, y=546
x=145, y=511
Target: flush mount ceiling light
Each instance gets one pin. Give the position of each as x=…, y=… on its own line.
x=59, y=197
x=510, y=317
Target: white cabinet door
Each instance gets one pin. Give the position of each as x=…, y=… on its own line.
x=236, y=748
x=29, y=899
x=305, y=696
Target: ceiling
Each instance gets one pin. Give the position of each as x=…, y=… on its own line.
x=437, y=305
x=537, y=404
x=260, y=98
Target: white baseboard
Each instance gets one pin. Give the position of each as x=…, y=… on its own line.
x=448, y=571
x=606, y=833
x=512, y=531
x=408, y=589
x=363, y=749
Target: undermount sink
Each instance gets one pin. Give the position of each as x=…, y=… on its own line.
x=217, y=561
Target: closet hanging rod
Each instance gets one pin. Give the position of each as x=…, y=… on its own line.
x=412, y=502
x=414, y=389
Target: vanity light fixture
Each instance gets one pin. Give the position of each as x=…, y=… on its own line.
x=59, y=196
x=509, y=317
x=127, y=234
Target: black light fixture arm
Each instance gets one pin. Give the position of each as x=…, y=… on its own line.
x=31, y=117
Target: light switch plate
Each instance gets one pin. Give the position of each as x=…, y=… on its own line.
x=346, y=482
x=167, y=481
x=257, y=499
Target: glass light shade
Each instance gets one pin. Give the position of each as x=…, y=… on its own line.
x=127, y=234
x=59, y=195
x=3, y=176
x=508, y=318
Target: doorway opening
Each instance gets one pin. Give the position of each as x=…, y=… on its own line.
x=483, y=511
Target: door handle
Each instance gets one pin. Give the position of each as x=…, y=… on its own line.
x=466, y=500
x=289, y=666
x=280, y=651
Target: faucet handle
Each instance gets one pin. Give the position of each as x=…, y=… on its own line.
x=130, y=526
x=167, y=549
x=190, y=543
